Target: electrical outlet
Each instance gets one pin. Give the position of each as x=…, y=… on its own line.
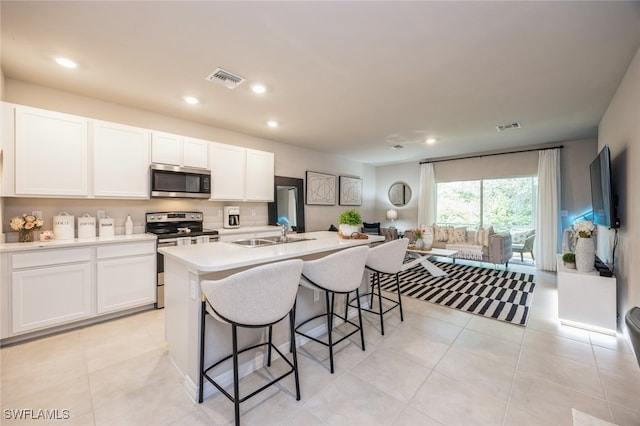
x=36, y=213
x=101, y=214
x=253, y=212
x=219, y=212
x=316, y=295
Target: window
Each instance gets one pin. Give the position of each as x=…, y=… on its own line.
x=504, y=203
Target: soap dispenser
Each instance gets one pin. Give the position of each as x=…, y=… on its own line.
x=128, y=225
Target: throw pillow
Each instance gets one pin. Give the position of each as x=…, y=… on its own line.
x=482, y=236
x=440, y=233
x=518, y=237
x=457, y=235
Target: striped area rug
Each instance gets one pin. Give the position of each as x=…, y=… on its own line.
x=501, y=295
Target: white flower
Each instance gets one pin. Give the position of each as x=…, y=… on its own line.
x=584, y=228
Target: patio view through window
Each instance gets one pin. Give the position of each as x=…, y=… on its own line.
x=507, y=203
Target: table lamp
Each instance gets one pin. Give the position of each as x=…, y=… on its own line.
x=392, y=215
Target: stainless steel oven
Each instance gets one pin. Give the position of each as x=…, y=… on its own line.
x=173, y=229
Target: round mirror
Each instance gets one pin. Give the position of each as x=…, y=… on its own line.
x=399, y=194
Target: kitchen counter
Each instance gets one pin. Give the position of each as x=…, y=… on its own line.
x=187, y=266
x=76, y=242
x=226, y=255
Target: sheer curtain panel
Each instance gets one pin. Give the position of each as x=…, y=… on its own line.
x=547, y=223
x=427, y=200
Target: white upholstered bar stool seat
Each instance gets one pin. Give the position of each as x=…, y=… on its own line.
x=257, y=297
x=337, y=273
x=387, y=259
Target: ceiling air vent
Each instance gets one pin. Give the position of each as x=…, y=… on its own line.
x=396, y=147
x=504, y=127
x=225, y=78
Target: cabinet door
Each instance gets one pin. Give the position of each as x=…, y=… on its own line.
x=51, y=153
x=120, y=161
x=259, y=175
x=43, y=297
x=7, y=146
x=166, y=148
x=195, y=153
x=227, y=171
x=126, y=282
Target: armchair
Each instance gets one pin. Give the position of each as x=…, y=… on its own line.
x=525, y=247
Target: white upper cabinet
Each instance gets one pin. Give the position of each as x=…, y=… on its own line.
x=241, y=174
x=177, y=150
x=195, y=153
x=228, y=165
x=260, y=171
x=51, y=153
x=120, y=160
x=166, y=148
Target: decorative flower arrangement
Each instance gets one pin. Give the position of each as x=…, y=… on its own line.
x=25, y=225
x=584, y=228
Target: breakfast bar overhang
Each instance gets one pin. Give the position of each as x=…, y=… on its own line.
x=186, y=266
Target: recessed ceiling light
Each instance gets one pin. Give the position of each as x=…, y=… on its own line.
x=191, y=100
x=258, y=88
x=431, y=141
x=67, y=63
x=272, y=123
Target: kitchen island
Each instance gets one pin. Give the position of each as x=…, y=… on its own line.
x=186, y=266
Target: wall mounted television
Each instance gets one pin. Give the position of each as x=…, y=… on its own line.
x=603, y=199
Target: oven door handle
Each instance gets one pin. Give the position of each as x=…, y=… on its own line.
x=166, y=244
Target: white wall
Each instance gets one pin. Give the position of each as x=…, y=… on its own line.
x=620, y=129
x=289, y=161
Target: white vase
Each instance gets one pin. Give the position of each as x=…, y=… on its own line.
x=348, y=230
x=427, y=238
x=419, y=243
x=585, y=255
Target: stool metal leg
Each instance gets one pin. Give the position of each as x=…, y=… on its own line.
x=380, y=303
x=360, y=318
x=399, y=296
x=329, y=329
x=203, y=321
x=269, y=353
x=236, y=384
x=292, y=322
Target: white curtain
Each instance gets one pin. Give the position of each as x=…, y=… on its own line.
x=547, y=223
x=427, y=200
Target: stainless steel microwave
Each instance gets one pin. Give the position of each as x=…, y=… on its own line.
x=169, y=181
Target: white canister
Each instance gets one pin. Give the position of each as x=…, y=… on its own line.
x=86, y=226
x=106, y=227
x=63, y=226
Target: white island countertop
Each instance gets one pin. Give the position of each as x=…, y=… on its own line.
x=222, y=256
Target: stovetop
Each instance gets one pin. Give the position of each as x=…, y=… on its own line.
x=176, y=224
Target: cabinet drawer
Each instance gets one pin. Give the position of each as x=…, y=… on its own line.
x=121, y=250
x=50, y=257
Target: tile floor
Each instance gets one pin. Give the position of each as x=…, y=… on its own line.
x=438, y=367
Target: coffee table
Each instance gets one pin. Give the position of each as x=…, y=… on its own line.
x=422, y=257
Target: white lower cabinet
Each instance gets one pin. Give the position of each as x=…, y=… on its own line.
x=124, y=283
x=125, y=276
x=45, y=296
x=48, y=288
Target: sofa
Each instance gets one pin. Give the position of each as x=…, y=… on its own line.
x=483, y=245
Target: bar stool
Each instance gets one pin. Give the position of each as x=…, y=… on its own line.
x=632, y=319
x=337, y=273
x=388, y=259
x=257, y=297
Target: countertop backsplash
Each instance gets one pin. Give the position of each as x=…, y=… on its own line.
x=251, y=214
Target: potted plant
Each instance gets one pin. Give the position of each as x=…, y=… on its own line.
x=569, y=260
x=349, y=221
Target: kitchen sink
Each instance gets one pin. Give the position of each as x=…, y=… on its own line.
x=269, y=241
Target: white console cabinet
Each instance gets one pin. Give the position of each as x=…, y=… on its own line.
x=586, y=300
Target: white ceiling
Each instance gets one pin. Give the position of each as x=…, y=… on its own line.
x=346, y=78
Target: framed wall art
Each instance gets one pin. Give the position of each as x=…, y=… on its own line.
x=321, y=189
x=350, y=191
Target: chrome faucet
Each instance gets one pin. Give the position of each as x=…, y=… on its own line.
x=284, y=231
